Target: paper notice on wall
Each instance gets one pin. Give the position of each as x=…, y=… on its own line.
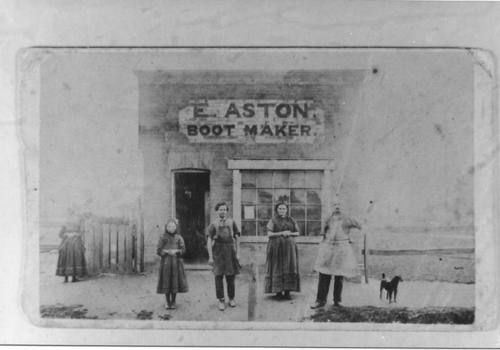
x=248, y=212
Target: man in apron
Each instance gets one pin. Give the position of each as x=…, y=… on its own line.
x=223, y=253
x=335, y=256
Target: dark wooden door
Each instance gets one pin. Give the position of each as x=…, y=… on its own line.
x=191, y=193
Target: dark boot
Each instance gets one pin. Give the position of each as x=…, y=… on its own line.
x=75, y=279
x=169, y=303
x=172, y=305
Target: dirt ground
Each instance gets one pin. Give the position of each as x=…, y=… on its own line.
x=457, y=268
x=134, y=297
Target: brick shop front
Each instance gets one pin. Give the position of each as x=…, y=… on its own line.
x=248, y=138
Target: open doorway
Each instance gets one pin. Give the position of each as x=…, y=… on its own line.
x=192, y=209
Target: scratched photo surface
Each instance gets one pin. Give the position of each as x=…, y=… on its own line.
x=129, y=139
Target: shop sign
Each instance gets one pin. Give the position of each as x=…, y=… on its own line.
x=262, y=121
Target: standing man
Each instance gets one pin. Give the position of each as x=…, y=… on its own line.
x=223, y=253
x=335, y=256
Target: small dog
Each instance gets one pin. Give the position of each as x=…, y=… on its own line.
x=390, y=287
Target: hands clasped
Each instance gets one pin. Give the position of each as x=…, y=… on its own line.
x=171, y=252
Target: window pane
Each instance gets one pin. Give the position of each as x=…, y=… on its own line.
x=248, y=179
x=297, y=212
x=248, y=228
x=313, y=179
x=314, y=196
x=298, y=196
x=281, y=195
x=314, y=212
x=248, y=196
x=313, y=228
x=281, y=180
x=264, y=212
x=265, y=180
x=297, y=179
x=262, y=190
x=262, y=228
x=265, y=196
x=302, y=228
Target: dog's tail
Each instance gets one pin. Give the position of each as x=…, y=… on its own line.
x=383, y=275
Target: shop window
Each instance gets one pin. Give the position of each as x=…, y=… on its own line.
x=262, y=190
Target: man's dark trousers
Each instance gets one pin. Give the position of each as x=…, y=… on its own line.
x=324, y=286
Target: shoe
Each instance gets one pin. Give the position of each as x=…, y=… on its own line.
x=287, y=296
x=278, y=296
x=173, y=306
x=232, y=303
x=317, y=305
x=167, y=306
x=222, y=305
x=337, y=304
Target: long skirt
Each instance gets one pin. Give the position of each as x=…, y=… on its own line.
x=71, y=260
x=172, y=276
x=336, y=258
x=282, y=265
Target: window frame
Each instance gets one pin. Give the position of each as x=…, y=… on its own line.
x=327, y=166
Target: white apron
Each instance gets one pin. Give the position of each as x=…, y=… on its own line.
x=336, y=255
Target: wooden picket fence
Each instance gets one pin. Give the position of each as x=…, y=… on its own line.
x=114, y=245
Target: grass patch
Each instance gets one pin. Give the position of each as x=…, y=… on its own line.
x=372, y=314
x=165, y=317
x=62, y=311
x=144, y=315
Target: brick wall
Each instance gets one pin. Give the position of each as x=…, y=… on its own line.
x=164, y=94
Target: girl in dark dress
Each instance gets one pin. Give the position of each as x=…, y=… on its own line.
x=71, y=260
x=171, y=275
x=282, y=262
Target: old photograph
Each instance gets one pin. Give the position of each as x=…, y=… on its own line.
x=257, y=188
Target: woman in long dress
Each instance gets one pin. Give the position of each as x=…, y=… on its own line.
x=71, y=260
x=282, y=261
